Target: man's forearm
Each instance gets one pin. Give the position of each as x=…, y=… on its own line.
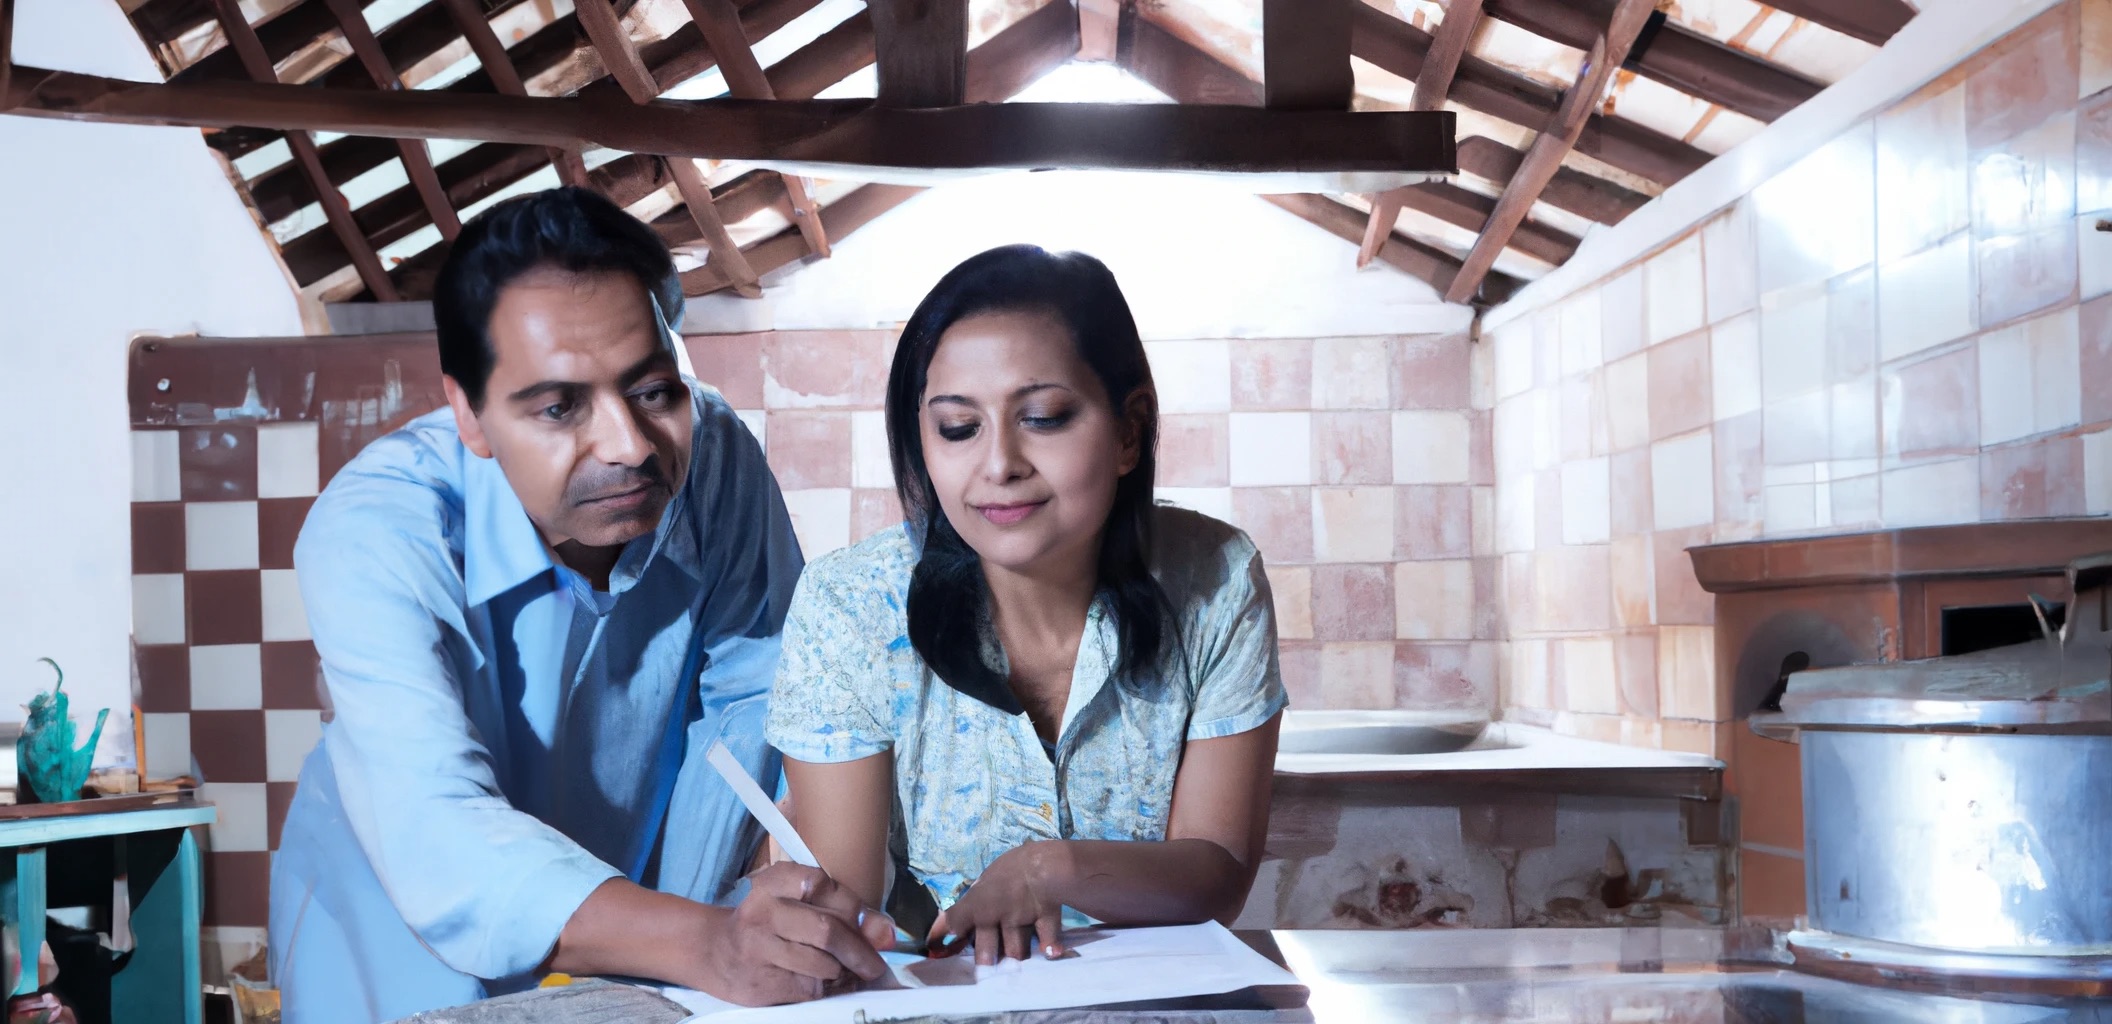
x=626, y=929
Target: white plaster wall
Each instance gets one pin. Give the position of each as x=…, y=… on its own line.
x=1196, y=259
x=105, y=232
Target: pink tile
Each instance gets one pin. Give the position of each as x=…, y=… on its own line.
x=1521, y=596
x=1299, y=662
x=2022, y=274
x=1547, y=507
x=1575, y=587
x=2093, y=154
x=873, y=510
x=1433, y=522
x=2096, y=352
x=1353, y=447
x=1272, y=374
x=1680, y=386
x=1583, y=416
x=1193, y=451
x=1921, y=158
x=2032, y=481
x=1680, y=599
x=1741, y=469
x=732, y=363
x=1438, y=676
x=1353, y=602
x=1429, y=372
x=1796, y=429
x=1634, y=581
x=1279, y=519
x=1932, y=406
x=1488, y=598
x=2023, y=205
x=810, y=449
x=1635, y=668
x=1434, y=600
x=1481, y=446
x=1633, y=499
x=831, y=369
x=1621, y=313
x=1851, y=326
x=1357, y=675
x=2027, y=77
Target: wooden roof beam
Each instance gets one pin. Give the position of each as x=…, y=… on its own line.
x=1378, y=226
x=1176, y=67
x=923, y=51
x=845, y=215
x=335, y=208
x=1305, y=54
x=1669, y=53
x=1401, y=48
x=621, y=58
x=1552, y=145
x=1454, y=35
x=1573, y=191
x=1872, y=21
x=417, y=160
x=491, y=56
x=1425, y=263
x=720, y=25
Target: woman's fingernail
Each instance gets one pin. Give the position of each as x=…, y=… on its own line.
x=1051, y=952
x=861, y=917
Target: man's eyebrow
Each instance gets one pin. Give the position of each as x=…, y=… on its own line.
x=660, y=359
x=542, y=388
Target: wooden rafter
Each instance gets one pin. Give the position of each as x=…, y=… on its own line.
x=1378, y=226
x=720, y=25
x=1552, y=145
x=1411, y=257
x=1570, y=190
x=1176, y=67
x=1872, y=21
x=1454, y=34
x=629, y=70
x=1305, y=54
x=923, y=51
x=491, y=56
x=335, y=208
x=1401, y=48
x=417, y=160
x=842, y=217
x=1670, y=53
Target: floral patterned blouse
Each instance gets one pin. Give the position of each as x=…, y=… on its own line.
x=973, y=781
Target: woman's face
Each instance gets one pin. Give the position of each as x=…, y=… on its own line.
x=1022, y=443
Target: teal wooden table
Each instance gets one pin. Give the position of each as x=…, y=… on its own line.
x=159, y=856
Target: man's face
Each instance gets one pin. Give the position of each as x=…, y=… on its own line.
x=585, y=410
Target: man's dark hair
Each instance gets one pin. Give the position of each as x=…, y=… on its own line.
x=572, y=229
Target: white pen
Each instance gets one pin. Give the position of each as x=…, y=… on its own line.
x=760, y=805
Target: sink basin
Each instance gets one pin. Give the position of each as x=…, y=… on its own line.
x=1386, y=739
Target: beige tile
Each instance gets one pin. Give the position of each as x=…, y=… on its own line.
x=1734, y=366
x=1686, y=673
x=1484, y=523
x=1430, y=447
x=1728, y=263
x=823, y=369
x=870, y=467
x=1192, y=450
x=1511, y=350
x=1621, y=314
x=1271, y=449
x=1527, y=681
x=1353, y=524
x=1921, y=159
x=1352, y=373
x=1433, y=600
x=1192, y=376
x=1574, y=588
x=1589, y=683
x=1582, y=329
x=1587, y=502
x=1793, y=334
x=2030, y=378
x=1683, y=481
x=1790, y=508
x=1674, y=291
x=1634, y=581
x=1292, y=589
x=1628, y=402
x=2096, y=47
x=1926, y=299
x=1517, y=517
x=1215, y=502
x=1357, y=675
x=1932, y=494
x=1689, y=737
x=1818, y=218
x=822, y=519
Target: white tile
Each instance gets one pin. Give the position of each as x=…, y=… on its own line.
x=1547, y=428
x=1514, y=430
x=288, y=738
x=1734, y=363
x=754, y=420
x=1215, y=502
x=1932, y=494
x=1793, y=343
x=157, y=608
x=2094, y=250
x=1481, y=377
x=1628, y=402
x=1526, y=676
x=1587, y=502
x=168, y=739
x=2097, y=472
x=1517, y=518
x=227, y=677
x=869, y=459
x=1583, y=333
x=1430, y=447
x=1353, y=524
x=1683, y=481
x=1784, y=475
x=1925, y=299
x=220, y=535
x=1674, y=291
x=1433, y=600
x=1790, y=508
x=287, y=460
x=1192, y=376
x=156, y=473
x=242, y=824
x=821, y=517
x=1512, y=349
x=1271, y=449
x=1730, y=263
x=2030, y=378
x=1590, y=682
x=1352, y=373
x=285, y=617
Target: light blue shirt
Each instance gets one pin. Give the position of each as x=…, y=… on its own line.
x=505, y=738
x=974, y=781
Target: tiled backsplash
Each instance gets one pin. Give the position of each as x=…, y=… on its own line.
x=1356, y=464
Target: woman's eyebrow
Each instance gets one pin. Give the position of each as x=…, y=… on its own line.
x=1017, y=393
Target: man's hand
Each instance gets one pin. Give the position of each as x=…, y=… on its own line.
x=797, y=932
x=1017, y=900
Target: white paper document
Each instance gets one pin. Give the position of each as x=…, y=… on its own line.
x=1112, y=966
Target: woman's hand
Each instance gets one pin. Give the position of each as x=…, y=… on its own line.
x=1017, y=902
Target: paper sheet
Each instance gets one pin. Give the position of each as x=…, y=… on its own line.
x=1112, y=966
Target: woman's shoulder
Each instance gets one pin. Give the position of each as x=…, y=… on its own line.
x=1195, y=555
x=874, y=570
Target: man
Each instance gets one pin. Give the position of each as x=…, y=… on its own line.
x=536, y=609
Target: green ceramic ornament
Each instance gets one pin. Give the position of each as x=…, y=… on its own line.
x=46, y=760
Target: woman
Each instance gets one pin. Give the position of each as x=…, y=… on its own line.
x=1043, y=691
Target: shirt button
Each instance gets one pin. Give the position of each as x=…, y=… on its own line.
x=1047, y=813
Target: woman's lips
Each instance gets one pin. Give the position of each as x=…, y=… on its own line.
x=1006, y=515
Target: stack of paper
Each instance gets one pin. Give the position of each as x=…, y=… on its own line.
x=1111, y=966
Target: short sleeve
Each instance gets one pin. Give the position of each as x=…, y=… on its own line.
x=829, y=702
x=1242, y=687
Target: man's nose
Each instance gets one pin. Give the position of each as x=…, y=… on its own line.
x=617, y=436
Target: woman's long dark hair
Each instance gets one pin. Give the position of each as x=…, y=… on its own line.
x=947, y=596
